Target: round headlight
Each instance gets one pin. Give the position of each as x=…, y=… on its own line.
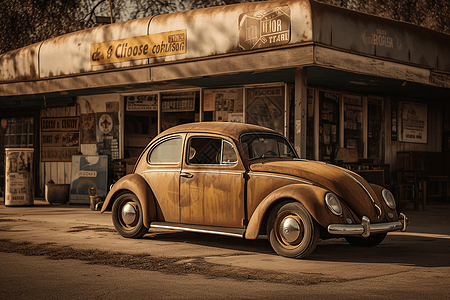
x=333, y=204
x=389, y=198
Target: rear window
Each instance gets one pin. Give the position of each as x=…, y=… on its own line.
x=167, y=152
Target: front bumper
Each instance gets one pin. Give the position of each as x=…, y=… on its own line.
x=366, y=229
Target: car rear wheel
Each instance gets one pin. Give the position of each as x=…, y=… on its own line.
x=127, y=216
x=291, y=230
x=370, y=241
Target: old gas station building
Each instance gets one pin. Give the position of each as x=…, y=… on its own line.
x=366, y=92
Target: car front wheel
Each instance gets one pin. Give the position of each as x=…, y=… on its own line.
x=127, y=216
x=292, y=231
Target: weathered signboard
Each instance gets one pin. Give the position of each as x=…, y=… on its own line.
x=177, y=102
x=141, y=47
x=60, y=138
x=147, y=102
x=264, y=29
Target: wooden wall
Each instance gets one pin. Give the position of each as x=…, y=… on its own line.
x=59, y=172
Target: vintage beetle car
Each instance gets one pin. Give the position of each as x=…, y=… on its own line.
x=244, y=180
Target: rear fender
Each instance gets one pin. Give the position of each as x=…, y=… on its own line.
x=312, y=197
x=136, y=184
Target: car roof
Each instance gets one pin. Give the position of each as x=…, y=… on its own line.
x=231, y=129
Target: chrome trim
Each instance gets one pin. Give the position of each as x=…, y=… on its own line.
x=365, y=222
x=187, y=175
x=197, y=230
x=281, y=177
x=160, y=170
x=348, y=174
x=378, y=210
x=216, y=172
x=405, y=221
x=366, y=229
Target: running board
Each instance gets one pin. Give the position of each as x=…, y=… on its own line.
x=228, y=231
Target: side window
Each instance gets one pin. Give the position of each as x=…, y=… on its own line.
x=229, y=156
x=204, y=151
x=211, y=151
x=168, y=152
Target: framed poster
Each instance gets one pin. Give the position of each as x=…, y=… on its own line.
x=265, y=107
x=413, y=118
x=89, y=175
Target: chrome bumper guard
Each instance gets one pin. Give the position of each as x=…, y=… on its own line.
x=366, y=229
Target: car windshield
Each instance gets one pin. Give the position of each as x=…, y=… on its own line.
x=265, y=145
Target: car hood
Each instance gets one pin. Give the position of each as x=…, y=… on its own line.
x=351, y=188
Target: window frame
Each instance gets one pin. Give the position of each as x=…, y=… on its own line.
x=175, y=137
x=222, y=141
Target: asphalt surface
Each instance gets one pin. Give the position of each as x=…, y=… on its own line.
x=85, y=251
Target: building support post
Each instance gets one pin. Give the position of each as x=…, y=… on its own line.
x=301, y=104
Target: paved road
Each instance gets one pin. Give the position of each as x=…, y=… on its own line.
x=414, y=264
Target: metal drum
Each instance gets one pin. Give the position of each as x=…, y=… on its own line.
x=19, y=177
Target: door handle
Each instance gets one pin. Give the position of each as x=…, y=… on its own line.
x=187, y=175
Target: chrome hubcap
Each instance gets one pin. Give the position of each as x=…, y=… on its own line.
x=290, y=230
x=129, y=214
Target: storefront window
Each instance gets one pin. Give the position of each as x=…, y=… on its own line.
x=223, y=105
x=353, y=115
x=375, y=110
x=179, y=108
x=265, y=107
x=18, y=132
x=328, y=125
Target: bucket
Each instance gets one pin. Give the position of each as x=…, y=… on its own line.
x=57, y=193
x=94, y=200
x=19, y=177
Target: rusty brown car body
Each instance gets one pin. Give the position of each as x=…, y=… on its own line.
x=247, y=181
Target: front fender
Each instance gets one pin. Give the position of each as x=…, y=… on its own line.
x=312, y=197
x=136, y=184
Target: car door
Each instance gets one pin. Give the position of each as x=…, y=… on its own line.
x=162, y=173
x=212, y=183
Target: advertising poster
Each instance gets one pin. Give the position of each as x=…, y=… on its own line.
x=413, y=122
x=108, y=134
x=87, y=129
x=19, y=177
x=89, y=176
x=227, y=104
x=265, y=107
